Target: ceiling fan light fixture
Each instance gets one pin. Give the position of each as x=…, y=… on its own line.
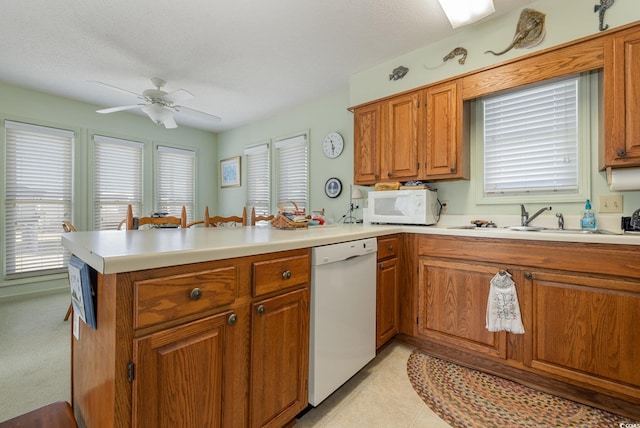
x=464, y=12
x=157, y=113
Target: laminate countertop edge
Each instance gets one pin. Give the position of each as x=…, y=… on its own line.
x=125, y=251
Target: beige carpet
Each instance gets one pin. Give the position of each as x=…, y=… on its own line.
x=34, y=354
x=469, y=398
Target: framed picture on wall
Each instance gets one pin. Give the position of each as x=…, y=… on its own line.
x=230, y=172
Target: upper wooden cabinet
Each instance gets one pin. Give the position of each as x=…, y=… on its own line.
x=414, y=136
x=401, y=151
x=367, y=126
x=447, y=146
x=621, y=145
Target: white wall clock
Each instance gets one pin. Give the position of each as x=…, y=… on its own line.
x=333, y=145
x=333, y=187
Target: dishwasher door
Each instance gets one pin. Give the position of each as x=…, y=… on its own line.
x=343, y=314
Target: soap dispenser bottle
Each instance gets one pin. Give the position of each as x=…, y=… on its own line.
x=588, y=218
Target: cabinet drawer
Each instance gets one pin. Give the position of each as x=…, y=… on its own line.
x=168, y=298
x=278, y=274
x=387, y=247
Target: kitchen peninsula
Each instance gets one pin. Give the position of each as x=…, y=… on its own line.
x=210, y=327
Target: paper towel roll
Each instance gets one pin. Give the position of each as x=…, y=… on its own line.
x=624, y=179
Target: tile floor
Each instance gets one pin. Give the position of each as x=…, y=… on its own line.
x=379, y=395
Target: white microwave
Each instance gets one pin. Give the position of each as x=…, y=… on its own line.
x=419, y=206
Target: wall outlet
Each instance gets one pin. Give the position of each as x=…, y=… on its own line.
x=610, y=204
x=445, y=207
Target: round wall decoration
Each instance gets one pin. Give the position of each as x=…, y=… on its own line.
x=333, y=187
x=332, y=145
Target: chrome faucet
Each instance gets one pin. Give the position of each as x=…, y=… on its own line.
x=560, y=221
x=525, y=215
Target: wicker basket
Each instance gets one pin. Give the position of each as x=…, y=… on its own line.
x=280, y=221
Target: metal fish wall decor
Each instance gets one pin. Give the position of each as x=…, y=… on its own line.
x=459, y=51
x=398, y=73
x=529, y=32
x=602, y=8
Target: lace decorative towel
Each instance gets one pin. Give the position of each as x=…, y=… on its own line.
x=503, y=309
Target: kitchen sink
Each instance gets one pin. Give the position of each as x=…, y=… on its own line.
x=526, y=228
x=583, y=231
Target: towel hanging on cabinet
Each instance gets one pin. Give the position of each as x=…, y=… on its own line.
x=503, y=309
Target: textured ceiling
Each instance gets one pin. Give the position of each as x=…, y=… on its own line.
x=244, y=60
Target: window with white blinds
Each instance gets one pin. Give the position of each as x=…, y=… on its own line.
x=258, y=178
x=175, y=181
x=117, y=180
x=38, y=189
x=292, y=170
x=531, y=140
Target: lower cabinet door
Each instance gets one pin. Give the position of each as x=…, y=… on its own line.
x=279, y=359
x=180, y=374
x=386, y=301
x=452, y=305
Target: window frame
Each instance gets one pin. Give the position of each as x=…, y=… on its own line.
x=587, y=115
x=265, y=146
x=107, y=139
x=193, y=153
x=283, y=141
x=57, y=130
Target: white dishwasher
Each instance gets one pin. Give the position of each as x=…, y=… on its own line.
x=343, y=314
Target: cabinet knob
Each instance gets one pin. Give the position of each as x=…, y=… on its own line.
x=381, y=266
x=261, y=309
x=376, y=176
x=453, y=170
x=389, y=175
x=195, y=294
x=390, y=248
x=286, y=274
x=528, y=275
x=621, y=153
x=233, y=318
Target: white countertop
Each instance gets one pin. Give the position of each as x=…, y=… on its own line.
x=124, y=251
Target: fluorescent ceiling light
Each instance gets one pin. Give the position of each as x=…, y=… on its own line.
x=463, y=12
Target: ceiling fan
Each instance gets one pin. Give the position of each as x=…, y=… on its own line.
x=158, y=104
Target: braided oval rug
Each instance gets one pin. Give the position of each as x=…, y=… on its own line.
x=465, y=397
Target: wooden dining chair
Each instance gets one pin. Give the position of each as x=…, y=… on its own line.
x=255, y=218
x=134, y=223
x=217, y=221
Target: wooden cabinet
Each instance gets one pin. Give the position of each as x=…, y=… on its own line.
x=181, y=373
x=401, y=150
x=452, y=305
x=586, y=329
x=414, y=136
x=367, y=140
x=621, y=146
x=387, y=283
x=580, y=319
x=222, y=343
x=279, y=358
x=446, y=139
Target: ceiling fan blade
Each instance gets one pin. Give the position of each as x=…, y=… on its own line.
x=117, y=89
x=169, y=122
x=198, y=113
x=120, y=108
x=178, y=96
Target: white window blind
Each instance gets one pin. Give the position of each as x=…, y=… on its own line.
x=117, y=180
x=175, y=179
x=38, y=188
x=258, y=178
x=292, y=157
x=531, y=140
